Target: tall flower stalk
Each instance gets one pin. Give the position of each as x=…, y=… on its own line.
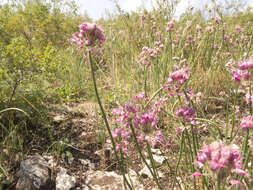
x=92, y=36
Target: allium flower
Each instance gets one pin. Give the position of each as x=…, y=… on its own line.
x=198, y=28
x=187, y=113
x=148, y=54
x=234, y=182
x=139, y=96
x=210, y=29
x=160, y=140
x=247, y=122
x=170, y=26
x=179, y=76
x=89, y=35
x=196, y=174
x=121, y=137
x=238, y=29
x=238, y=75
x=125, y=114
x=134, y=114
x=244, y=65
x=241, y=70
x=179, y=131
x=220, y=157
x=188, y=24
x=249, y=98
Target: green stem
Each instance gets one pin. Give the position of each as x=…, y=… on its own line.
x=194, y=141
x=106, y=122
x=192, y=157
x=218, y=184
x=122, y=164
x=145, y=81
x=179, y=159
x=213, y=123
x=233, y=115
x=245, y=146
x=246, y=160
x=143, y=158
x=153, y=96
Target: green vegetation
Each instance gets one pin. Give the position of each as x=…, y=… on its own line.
x=142, y=52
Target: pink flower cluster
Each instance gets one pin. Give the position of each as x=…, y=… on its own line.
x=160, y=140
x=142, y=119
x=191, y=96
x=179, y=76
x=248, y=98
x=170, y=26
x=176, y=80
x=247, y=122
x=187, y=113
x=239, y=74
x=157, y=140
x=148, y=54
x=133, y=113
x=121, y=137
x=242, y=71
x=221, y=157
x=89, y=34
x=245, y=65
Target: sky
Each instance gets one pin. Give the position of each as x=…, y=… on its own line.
x=97, y=8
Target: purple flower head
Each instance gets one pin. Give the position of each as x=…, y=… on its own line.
x=187, y=113
x=244, y=65
x=89, y=35
x=179, y=76
x=135, y=114
x=170, y=26
x=247, y=122
x=234, y=182
x=219, y=156
x=198, y=28
x=148, y=54
x=238, y=75
x=196, y=174
x=241, y=71
x=160, y=140
x=121, y=137
x=139, y=96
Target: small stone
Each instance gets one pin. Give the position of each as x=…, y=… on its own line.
x=87, y=163
x=146, y=173
x=64, y=181
x=103, y=180
x=156, y=151
x=59, y=118
x=34, y=174
x=159, y=160
x=85, y=187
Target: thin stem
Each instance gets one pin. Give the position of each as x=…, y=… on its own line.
x=153, y=96
x=245, y=145
x=143, y=158
x=233, y=115
x=179, y=159
x=152, y=160
x=194, y=141
x=145, y=80
x=122, y=163
x=106, y=122
x=192, y=157
x=13, y=93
